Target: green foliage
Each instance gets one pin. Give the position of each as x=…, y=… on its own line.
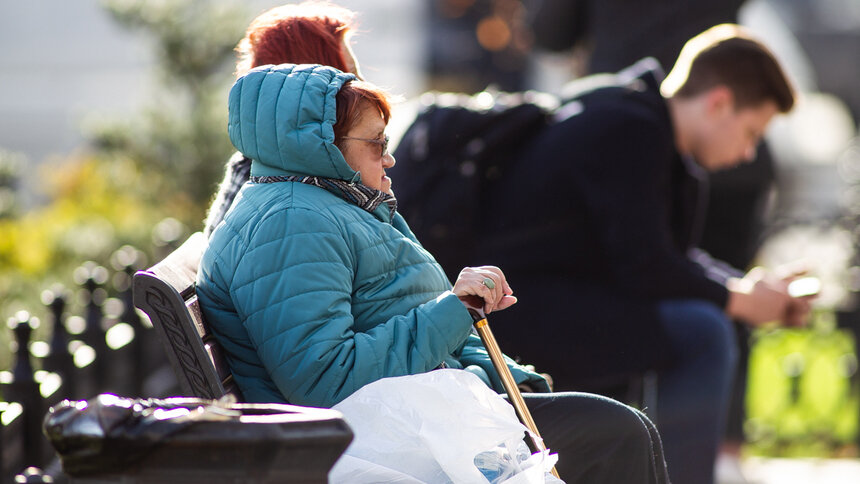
x=10, y=174
x=181, y=134
x=98, y=205
x=164, y=161
x=801, y=396
x=193, y=38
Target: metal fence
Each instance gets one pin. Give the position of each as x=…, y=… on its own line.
x=107, y=348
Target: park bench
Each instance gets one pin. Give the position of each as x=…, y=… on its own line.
x=306, y=448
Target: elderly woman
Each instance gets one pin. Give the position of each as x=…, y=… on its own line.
x=315, y=285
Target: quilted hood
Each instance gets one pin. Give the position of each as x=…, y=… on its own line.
x=282, y=117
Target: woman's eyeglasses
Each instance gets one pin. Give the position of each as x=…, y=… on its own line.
x=382, y=143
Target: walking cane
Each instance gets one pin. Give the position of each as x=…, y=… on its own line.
x=475, y=305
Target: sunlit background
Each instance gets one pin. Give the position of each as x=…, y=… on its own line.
x=111, y=134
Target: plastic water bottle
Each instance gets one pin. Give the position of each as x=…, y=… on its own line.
x=497, y=465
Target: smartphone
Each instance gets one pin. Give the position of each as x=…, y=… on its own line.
x=804, y=286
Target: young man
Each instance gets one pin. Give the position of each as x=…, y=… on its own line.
x=597, y=229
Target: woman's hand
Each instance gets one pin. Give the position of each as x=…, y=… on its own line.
x=488, y=283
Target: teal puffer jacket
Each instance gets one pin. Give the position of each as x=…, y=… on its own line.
x=311, y=296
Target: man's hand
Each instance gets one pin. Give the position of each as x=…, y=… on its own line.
x=797, y=312
x=761, y=297
x=803, y=291
x=801, y=288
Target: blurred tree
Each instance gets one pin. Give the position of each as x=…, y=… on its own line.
x=179, y=140
x=97, y=205
x=146, y=175
x=10, y=174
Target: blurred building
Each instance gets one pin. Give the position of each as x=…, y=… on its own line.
x=471, y=44
x=61, y=61
x=829, y=31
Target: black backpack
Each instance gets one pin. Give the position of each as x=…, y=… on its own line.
x=455, y=145
x=459, y=144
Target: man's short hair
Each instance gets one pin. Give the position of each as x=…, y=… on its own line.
x=729, y=55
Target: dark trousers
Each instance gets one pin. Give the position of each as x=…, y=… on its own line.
x=598, y=440
x=693, y=394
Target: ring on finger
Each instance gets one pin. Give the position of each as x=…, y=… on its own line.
x=489, y=283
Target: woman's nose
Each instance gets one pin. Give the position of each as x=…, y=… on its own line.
x=388, y=161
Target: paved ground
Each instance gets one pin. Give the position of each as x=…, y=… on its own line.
x=799, y=471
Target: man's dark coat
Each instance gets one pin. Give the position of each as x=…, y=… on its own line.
x=594, y=225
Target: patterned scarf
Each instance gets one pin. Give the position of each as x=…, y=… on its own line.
x=356, y=193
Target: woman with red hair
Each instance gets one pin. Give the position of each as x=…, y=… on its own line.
x=311, y=32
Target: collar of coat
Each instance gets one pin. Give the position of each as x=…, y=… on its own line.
x=355, y=193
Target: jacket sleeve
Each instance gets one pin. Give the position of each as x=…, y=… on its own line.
x=715, y=269
x=474, y=353
x=295, y=302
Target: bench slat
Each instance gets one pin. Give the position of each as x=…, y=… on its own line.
x=166, y=293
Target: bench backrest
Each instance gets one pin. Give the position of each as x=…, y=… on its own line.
x=166, y=293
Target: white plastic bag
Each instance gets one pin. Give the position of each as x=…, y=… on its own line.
x=430, y=428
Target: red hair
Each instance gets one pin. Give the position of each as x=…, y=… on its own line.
x=349, y=102
x=307, y=33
